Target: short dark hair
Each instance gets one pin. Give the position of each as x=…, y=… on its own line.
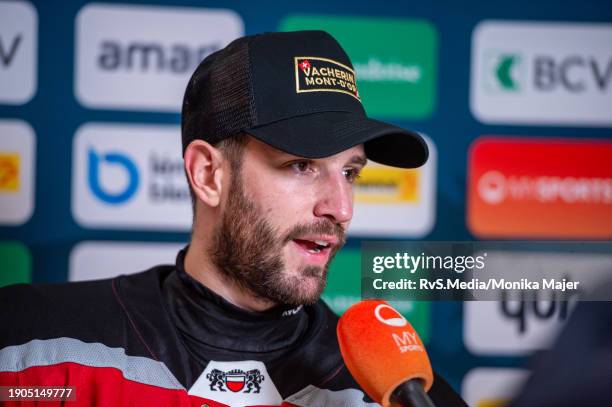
x=232, y=149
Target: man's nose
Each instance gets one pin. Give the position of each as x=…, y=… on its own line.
x=335, y=200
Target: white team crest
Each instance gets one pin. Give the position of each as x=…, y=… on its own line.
x=239, y=384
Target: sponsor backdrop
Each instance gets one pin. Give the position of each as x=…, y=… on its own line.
x=515, y=100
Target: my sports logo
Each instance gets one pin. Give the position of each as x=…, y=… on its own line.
x=540, y=187
x=314, y=74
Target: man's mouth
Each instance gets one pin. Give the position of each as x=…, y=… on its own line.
x=314, y=246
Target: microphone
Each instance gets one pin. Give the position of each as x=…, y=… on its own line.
x=384, y=354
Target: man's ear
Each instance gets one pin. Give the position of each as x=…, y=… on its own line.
x=203, y=166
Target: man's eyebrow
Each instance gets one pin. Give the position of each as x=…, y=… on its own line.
x=358, y=159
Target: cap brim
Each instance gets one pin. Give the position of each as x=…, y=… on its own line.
x=319, y=135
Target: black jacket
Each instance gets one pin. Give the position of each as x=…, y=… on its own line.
x=160, y=338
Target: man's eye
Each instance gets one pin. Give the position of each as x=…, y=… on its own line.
x=351, y=174
x=301, y=166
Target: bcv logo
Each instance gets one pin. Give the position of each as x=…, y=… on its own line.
x=129, y=177
x=119, y=161
x=18, y=52
x=542, y=73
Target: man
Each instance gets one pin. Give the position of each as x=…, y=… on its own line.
x=274, y=136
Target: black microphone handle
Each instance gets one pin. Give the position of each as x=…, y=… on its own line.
x=411, y=394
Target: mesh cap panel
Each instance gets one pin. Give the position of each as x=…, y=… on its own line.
x=219, y=100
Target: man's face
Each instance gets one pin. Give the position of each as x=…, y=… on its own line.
x=284, y=219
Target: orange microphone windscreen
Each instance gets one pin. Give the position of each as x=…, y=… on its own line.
x=381, y=349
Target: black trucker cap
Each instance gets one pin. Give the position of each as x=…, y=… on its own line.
x=295, y=91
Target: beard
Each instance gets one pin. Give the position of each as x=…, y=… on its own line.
x=247, y=251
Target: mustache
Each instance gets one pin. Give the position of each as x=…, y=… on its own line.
x=319, y=227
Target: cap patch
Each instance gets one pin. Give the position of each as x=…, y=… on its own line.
x=314, y=74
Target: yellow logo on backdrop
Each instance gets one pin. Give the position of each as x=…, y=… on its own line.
x=9, y=172
x=498, y=402
x=387, y=185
